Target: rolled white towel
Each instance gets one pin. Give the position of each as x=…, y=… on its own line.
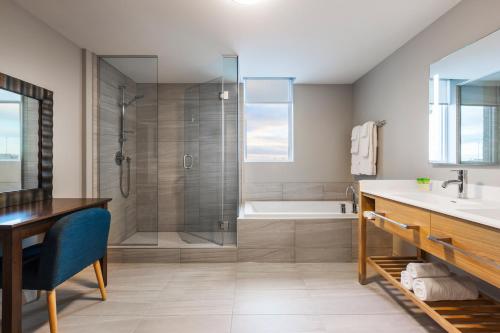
x=368, y=214
x=427, y=270
x=406, y=280
x=451, y=288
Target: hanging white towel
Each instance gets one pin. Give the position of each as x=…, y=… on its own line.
x=355, y=139
x=365, y=138
x=368, y=149
x=451, y=288
x=427, y=270
x=406, y=280
x=355, y=158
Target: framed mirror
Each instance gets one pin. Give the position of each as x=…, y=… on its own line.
x=26, y=115
x=464, y=105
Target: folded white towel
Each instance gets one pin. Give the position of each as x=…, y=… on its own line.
x=451, y=288
x=355, y=139
x=406, y=280
x=427, y=270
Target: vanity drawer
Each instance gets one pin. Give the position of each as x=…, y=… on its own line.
x=417, y=220
x=472, y=247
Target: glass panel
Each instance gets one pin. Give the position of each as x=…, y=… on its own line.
x=210, y=161
x=128, y=151
x=231, y=157
x=202, y=162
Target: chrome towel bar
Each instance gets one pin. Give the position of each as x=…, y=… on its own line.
x=396, y=223
x=446, y=242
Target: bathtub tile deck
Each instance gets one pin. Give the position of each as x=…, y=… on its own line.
x=229, y=298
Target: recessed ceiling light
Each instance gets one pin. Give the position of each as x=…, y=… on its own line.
x=246, y=2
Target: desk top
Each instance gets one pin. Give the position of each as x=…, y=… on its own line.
x=21, y=215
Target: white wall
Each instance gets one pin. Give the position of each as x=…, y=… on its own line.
x=397, y=91
x=33, y=52
x=323, y=119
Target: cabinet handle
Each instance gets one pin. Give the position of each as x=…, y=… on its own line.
x=446, y=242
x=396, y=223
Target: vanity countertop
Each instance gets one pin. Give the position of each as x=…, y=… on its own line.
x=482, y=204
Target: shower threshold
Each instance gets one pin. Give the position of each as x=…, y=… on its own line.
x=175, y=240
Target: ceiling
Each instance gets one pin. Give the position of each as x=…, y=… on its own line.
x=316, y=41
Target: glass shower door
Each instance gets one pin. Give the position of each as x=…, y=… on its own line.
x=203, y=161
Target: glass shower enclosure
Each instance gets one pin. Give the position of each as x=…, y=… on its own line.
x=210, y=157
x=168, y=154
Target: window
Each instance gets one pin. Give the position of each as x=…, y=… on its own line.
x=10, y=126
x=268, y=119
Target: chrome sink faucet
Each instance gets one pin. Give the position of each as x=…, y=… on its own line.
x=461, y=182
x=351, y=188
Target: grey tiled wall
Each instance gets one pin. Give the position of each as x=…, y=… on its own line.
x=147, y=158
x=295, y=191
x=123, y=210
x=314, y=240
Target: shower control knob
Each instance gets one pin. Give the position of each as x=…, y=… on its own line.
x=119, y=158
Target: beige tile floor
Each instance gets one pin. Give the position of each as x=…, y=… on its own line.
x=223, y=298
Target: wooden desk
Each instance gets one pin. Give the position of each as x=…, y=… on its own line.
x=17, y=223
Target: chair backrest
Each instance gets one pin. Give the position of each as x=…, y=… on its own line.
x=72, y=244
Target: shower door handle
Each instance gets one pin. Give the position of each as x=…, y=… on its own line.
x=187, y=161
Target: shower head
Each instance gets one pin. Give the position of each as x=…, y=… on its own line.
x=134, y=99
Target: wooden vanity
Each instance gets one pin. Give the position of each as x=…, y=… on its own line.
x=470, y=246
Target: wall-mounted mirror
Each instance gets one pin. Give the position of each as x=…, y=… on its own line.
x=26, y=127
x=464, y=105
x=18, y=142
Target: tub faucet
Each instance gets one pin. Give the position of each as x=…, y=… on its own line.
x=461, y=182
x=351, y=188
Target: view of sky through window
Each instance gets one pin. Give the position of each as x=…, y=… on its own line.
x=268, y=120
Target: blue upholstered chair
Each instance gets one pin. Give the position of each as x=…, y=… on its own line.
x=73, y=243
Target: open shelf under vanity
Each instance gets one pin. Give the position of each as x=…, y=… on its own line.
x=480, y=315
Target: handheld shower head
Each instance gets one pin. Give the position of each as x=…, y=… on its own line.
x=134, y=99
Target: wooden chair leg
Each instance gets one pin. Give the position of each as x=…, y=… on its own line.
x=100, y=281
x=51, y=304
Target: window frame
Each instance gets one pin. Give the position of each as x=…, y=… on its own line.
x=290, y=103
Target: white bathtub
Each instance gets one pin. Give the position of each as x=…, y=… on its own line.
x=296, y=210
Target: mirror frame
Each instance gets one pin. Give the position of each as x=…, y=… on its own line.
x=45, y=98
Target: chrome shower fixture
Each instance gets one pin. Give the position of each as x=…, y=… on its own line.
x=120, y=155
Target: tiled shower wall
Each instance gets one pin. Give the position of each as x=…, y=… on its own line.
x=123, y=210
x=189, y=121
x=172, y=101
x=147, y=157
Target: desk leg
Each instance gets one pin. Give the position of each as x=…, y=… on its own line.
x=12, y=283
x=104, y=268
